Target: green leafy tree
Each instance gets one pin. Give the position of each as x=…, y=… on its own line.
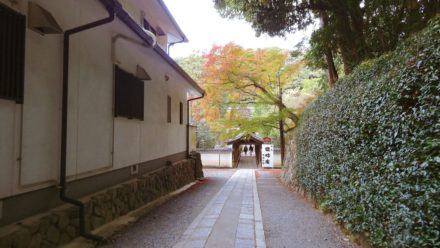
x=205, y=137
x=352, y=30
x=242, y=84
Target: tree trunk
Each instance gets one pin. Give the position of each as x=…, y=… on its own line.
x=356, y=16
x=282, y=140
x=349, y=33
x=332, y=73
x=281, y=106
x=346, y=42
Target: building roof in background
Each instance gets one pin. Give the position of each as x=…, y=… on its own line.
x=170, y=16
x=245, y=138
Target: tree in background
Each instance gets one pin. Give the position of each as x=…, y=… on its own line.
x=249, y=91
x=245, y=90
x=352, y=30
x=205, y=137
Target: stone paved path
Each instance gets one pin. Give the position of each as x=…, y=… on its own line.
x=231, y=219
x=234, y=208
x=247, y=162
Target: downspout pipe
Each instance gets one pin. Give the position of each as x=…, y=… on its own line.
x=187, y=121
x=63, y=160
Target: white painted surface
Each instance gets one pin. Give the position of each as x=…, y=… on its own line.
x=218, y=159
x=127, y=142
x=211, y=158
x=95, y=139
x=7, y=159
x=41, y=108
x=267, y=158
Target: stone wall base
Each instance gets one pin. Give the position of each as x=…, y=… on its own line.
x=61, y=225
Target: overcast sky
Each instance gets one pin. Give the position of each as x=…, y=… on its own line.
x=204, y=27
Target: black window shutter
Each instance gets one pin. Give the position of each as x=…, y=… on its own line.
x=12, y=48
x=169, y=109
x=129, y=95
x=181, y=112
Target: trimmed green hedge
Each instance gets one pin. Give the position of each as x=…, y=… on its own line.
x=369, y=150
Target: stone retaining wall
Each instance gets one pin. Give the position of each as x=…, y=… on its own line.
x=61, y=225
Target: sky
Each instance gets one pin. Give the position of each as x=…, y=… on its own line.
x=204, y=27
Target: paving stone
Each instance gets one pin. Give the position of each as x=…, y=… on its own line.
x=247, y=216
x=64, y=239
x=245, y=221
x=6, y=241
x=245, y=231
x=202, y=232
x=63, y=220
x=239, y=187
x=244, y=243
x=35, y=241
x=195, y=244
x=53, y=234
x=21, y=238
x=207, y=222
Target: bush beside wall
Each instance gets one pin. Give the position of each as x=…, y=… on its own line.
x=369, y=150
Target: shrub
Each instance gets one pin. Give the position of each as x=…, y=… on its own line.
x=369, y=149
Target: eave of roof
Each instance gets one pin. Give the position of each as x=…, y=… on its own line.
x=127, y=20
x=171, y=17
x=240, y=137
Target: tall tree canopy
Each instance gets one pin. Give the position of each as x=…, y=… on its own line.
x=353, y=30
x=245, y=90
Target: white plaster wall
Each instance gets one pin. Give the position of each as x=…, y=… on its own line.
x=96, y=142
x=216, y=159
x=8, y=112
x=41, y=108
x=157, y=138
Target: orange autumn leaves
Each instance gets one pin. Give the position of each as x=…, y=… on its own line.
x=232, y=75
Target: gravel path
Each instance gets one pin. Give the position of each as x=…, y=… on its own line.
x=164, y=226
x=289, y=221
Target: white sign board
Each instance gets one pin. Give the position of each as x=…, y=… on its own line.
x=267, y=155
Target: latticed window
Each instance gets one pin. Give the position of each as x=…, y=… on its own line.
x=129, y=95
x=12, y=47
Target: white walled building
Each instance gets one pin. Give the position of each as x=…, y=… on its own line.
x=116, y=127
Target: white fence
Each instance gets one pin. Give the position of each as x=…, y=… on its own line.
x=216, y=157
x=223, y=157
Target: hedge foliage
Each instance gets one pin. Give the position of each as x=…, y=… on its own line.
x=369, y=149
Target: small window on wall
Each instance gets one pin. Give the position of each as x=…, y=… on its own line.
x=169, y=109
x=129, y=95
x=12, y=40
x=181, y=113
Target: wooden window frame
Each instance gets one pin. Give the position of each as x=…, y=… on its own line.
x=180, y=113
x=169, y=101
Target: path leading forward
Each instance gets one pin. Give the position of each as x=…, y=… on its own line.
x=231, y=219
x=234, y=208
